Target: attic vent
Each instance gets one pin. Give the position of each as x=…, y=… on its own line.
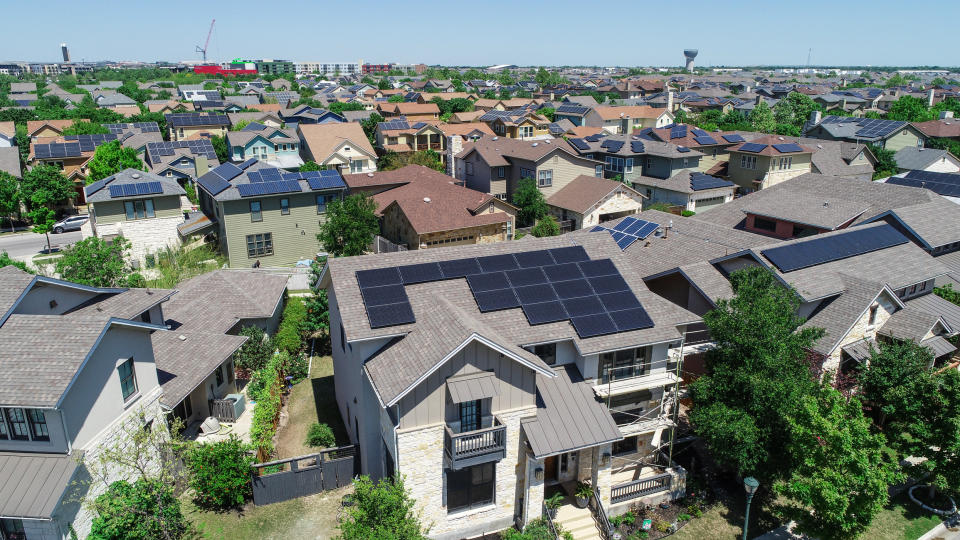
x=546, y=141
x=182, y=337
x=426, y=199
x=135, y=175
x=534, y=144
x=495, y=138
x=820, y=146
x=825, y=204
x=781, y=138
x=370, y=174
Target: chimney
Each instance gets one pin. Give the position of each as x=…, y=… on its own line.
x=843, y=82
x=670, y=101
x=757, y=100
x=747, y=89
x=843, y=104
x=202, y=166
x=930, y=98
x=815, y=117
x=454, y=147
x=946, y=114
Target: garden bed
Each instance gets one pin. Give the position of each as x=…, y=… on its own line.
x=657, y=521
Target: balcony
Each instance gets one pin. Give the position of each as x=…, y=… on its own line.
x=475, y=447
x=634, y=377
x=640, y=488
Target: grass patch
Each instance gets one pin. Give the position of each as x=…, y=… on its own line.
x=901, y=520
x=311, y=400
x=46, y=259
x=183, y=263
x=300, y=291
x=313, y=517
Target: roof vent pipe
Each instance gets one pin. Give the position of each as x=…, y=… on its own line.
x=426, y=199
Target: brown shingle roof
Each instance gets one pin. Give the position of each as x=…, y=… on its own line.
x=633, y=111
x=34, y=126
x=585, y=191
x=946, y=127
x=494, y=150
x=322, y=139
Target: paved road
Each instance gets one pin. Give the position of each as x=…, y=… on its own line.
x=24, y=245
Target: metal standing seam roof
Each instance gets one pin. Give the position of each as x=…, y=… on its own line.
x=569, y=416
x=473, y=386
x=31, y=485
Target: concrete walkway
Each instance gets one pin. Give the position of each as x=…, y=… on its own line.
x=942, y=532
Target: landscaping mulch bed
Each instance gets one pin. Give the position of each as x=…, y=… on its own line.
x=659, y=521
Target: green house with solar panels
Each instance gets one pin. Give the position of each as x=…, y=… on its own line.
x=264, y=214
x=143, y=207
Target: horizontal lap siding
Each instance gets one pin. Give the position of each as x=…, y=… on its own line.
x=113, y=211
x=294, y=235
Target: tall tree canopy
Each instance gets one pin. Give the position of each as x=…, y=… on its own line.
x=111, y=158
x=95, y=262
x=530, y=202
x=350, y=225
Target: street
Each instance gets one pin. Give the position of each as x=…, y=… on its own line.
x=24, y=245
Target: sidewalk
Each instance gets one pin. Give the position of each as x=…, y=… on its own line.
x=942, y=532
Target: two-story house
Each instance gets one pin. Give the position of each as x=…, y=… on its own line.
x=276, y=147
x=142, y=207
x=413, y=112
x=184, y=161
x=49, y=128
x=340, y=146
x=70, y=154
x=493, y=376
x=182, y=126
x=888, y=134
x=136, y=135
x=8, y=134
x=266, y=215
x=767, y=161
x=627, y=119
x=589, y=200
x=521, y=123
x=495, y=165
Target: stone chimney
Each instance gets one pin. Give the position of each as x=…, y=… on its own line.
x=747, y=90
x=454, y=147
x=815, y=117
x=670, y=101
x=930, y=98
x=946, y=114
x=843, y=82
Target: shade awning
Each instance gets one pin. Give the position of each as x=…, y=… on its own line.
x=31, y=485
x=938, y=346
x=472, y=387
x=860, y=350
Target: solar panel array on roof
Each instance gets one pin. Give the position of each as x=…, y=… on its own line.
x=628, y=231
x=548, y=285
x=57, y=150
x=579, y=144
x=218, y=179
x=268, y=188
x=701, y=181
x=705, y=139
x=198, y=147
x=578, y=110
x=142, y=127
x=394, y=124
x=612, y=145
x=867, y=128
x=752, y=147
x=678, y=131
x=697, y=132
x=944, y=184
x=196, y=119
x=595, y=137
x=135, y=189
x=788, y=147
x=733, y=138
x=636, y=147
x=820, y=250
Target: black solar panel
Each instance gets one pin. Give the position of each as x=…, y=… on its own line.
x=619, y=300
x=569, y=254
x=608, y=284
x=683, y=149
x=386, y=294
x=580, y=144
x=563, y=272
x=612, y=146
x=527, y=259
x=701, y=181
x=593, y=325
x=820, y=250
x=705, y=139
x=545, y=312
x=496, y=300
x=636, y=147
x=420, y=273
x=458, y=268
x=752, y=147
x=572, y=288
x=487, y=282
x=526, y=276
x=631, y=319
x=944, y=184
x=598, y=267
x=733, y=138
x=533, y=294
x=390, y=315
x=213, y=183
x=786, y=148
x=494, y=263
x=584, y=305
x=378, y=277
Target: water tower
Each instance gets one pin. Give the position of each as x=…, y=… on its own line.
x=690, y=54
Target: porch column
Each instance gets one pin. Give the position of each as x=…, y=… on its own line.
x=594, y=466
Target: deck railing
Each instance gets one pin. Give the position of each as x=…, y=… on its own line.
x=600, y=515
x=475, y=447
x=640, y=488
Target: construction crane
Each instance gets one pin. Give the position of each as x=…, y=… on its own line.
x=207, y=43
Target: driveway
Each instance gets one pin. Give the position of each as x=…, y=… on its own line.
x=24, y=245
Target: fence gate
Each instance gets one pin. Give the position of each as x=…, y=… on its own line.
x=290, y=478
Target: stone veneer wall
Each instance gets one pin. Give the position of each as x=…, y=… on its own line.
x=860, y=330
x=145, y=235
x=421, y=463
x=604, y=477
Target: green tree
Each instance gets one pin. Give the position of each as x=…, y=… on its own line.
x=7, y=260
x=947, y=292
x=761, y=118
x=369, y=126
x=932, y=437
x=530, y=202
x=383, y=510
x=889, y=382
x=756, y=376
x=549, y=112
x=396, y=98
x=111, y=158
x=220, y=147
x=220, y=473
x=886, y=163
x=256, y=351
x=384, y=84
x=938, y=82
x=240, y=125
x=95, y=262
x=82, y=127
x=427, y=158
x=310, y=166
x=350, y=226
x=142, y=510
x=9, y=196
x=547, y=226
x=794, y=109
x=909, y=109
x=842, y=470
x=47, y=183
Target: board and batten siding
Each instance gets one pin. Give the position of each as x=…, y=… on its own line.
x=294, y=235
x=113, y=211
x=427, y=403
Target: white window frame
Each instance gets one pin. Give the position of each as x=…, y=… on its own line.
x=545, y=178
x=628, y=165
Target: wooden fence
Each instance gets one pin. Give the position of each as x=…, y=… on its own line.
x=290, y=478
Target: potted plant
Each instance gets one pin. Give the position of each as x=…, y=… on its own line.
x=583, y=494
x=552, y=503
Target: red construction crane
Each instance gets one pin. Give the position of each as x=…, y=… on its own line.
x=207, y=43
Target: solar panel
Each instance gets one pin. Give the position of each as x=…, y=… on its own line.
x=562, y=272
x=378, y=277
x=116, y=191
x=544, y=312
x=580, y=144
x=420, y=273
x=682, y=149
x=495, y=263
x=593, y=325
x=527, y=259
x=526, y=276
x=608, y=284
x=251, y=190
x=612, y=146
x=213, y=183
x=636, y=147
x=254, y=177
x=149, y=188
x=572, y=288
x=496, y=300
x=598, y=267
x=752, y=147
x=705, y=139
x=631, y=319
x=228, y=171
x=459, y=268
x=822, y=250
x=390, y=315
x=945, y=184
x=487, y=282
x=585, y=305
x=96, y=186
x=733, y=138
x=701, y=181
x=385, y=294
x=533, y=294
x=697, y=132
x=271, y=175
x=619, y=300
x=785, y=148
x=569, y=254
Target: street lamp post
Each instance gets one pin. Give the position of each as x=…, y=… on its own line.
x=750, y=484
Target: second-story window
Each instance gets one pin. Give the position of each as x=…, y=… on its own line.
x=469, y=416
x=128, y=379
x=872, y=319
x=285, y=207
x=545, y=178
x=500, y=172
x=624, y=364
x=219, y=375
x=598, y=171
x=323, y=201
x=142, y=209
x=256, y=214
x=546, y=352
x=17, y=422
x=38, y=425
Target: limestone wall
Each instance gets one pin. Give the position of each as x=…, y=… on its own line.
x=145, y=235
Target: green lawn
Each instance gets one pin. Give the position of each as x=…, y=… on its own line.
x=311, y=400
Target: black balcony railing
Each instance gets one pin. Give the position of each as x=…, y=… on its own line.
x=475, y=447
x=639, y=488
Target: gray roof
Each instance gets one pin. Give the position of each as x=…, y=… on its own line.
x=569, y=416
x=914, y=158
x=13, y=284
x=910, y=323
x=19, y=87
x=938, y=346
x=842, y=312
x=10, y=160
x=680, y=183
x=243, y=138
x=935, y=223
x=31, y=485
x=357, y=116
x=824, y=212
x=936, y=305
x=112, y=100
x=243, y=101
x=237, y=295
x=650, y=148
x=100, y=191
x=472, y=386
x=861, y=350
x=186, y=358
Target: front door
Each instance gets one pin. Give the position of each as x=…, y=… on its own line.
x=550, y=469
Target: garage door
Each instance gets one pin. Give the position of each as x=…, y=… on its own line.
x=703, y=204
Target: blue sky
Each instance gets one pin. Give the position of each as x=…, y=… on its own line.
x=455, y=32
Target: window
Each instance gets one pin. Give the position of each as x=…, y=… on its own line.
x=38, y=425
x=764, y=224
x=128, y=379
x=872, y=319
x=470, y=487
x=284, y=207
x=255, y=211
x=627, y=408
x=527, y=173
x=786, y=163
x=686, y=162
x=4, y=433
x=545, y=178
x=500, y=172
x=624, y=364
x=259, y=245
x=469, y=168
x=17, y=422
x=357, y=165
x=526, y=131
x=139, y=209
x=546, y=352
x=12, y=529
x=219, y=375
x=323, y=201
x=625, y=446
x=614, y=164
x=628, y=165
x=598, y=171
x=748, y=162
x=469, y=416
x=564, y=463
x=649, y=163
x=145, y=317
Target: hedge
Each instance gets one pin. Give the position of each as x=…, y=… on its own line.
x=220, y=474
x=268, y=403
x=289, y=336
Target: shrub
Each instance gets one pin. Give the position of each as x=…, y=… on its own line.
x=289, y=336
x=687, y=213
x=627, y=518
x=662, y=526
x=293, y=366
x=381, y=510
x=694, y=510
x=136, y=280
x=683, y=517
x=255, y=352
x=143, y=510
x=268, y=389
x=220, y=473
x=321, y=436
